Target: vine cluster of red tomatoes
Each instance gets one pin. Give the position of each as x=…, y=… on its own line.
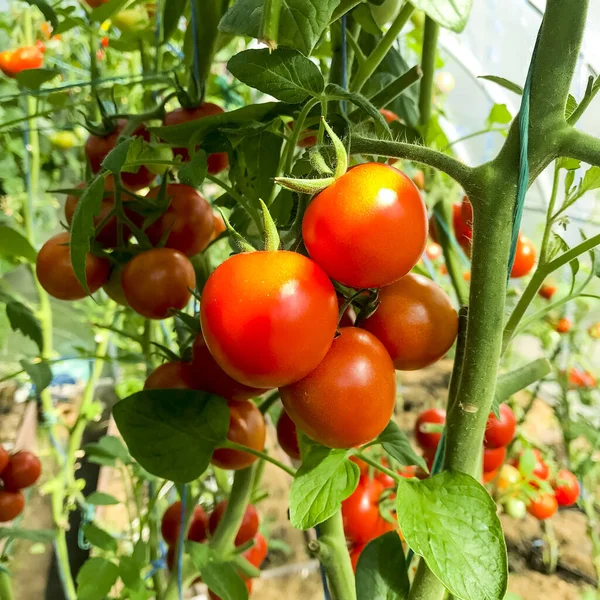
x=17, y=472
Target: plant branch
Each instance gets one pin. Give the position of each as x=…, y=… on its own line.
x=430, y=37
x=582, y=146
x=590, y=93
x=263, y=455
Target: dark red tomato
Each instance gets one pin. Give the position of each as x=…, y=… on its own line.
x=246, y=427
x=268, y=318
x=248, y=583
x=11, y=505
x=349, y=317
x=55, y=272
x=349, y=398
x=543, y=506
x=23, y=470
x=566, y=488
x=209, y=376
x=547, y=291
x=360, y=511
x=13, y=62
x=4, y=458
x=351, y=228
x=390, y=116
x=287, y=436
x=248, y=529
x=171, y=375
x=257, y=553
x=429, y=441
x=157, y=281
x=171, y=523
x=187, y=224
x=564, y=325
x=355, y=555
x=218, y=161
x=95, y=3
x=415, y=321
x=499, y=433
x=579, y=378
x=493, y=458
x=524, y=257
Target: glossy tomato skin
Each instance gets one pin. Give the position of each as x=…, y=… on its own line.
x=349, y=398
x=541, y=470
x=462, y=230
x=219, y=226
x=257, y=553
x=171, y=375
x=543, y=506
x=524, y=257
x=360, y=512
x=493, y=458
x=351, y=228
x=171, y=522
x=415, y=321
x=429, y=441
x=566, y=488
x=56, y=275
x=499, y=433
x=187, y=224
x=13, y=62
x=11, y=505
x=268, y=318
x=4, y=458
x=248, y=529
x=217, y=161
x=23, y=470
x=157, y=281
x=247, y=427
x=143, y=177
x=287, y=436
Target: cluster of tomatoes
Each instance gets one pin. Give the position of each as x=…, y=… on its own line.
x=203, y=526
x=17, y=472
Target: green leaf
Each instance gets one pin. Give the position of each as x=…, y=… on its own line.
x=570, y=164
x=510, y=383
x=556, y=245
x=108, y=446
x=22, y=319
x=324, y=479
x=505, y=83
x=571, y=106
x=99, y=538
x=40, y=373
x=46, y=10
x=284, y=73
x=129, y=571
x=172, y=13
x=336, y=92
x=119, y=155
x=499, y=114
x=194, y=172
x=41, y=536
x=164, y=428
x=15, y=244
x=451, y=521
x=34, y=78
x=301, y=22
x=591, y=180
x=95, y=579
x=451, y=14
x=83, y=227
x=101, y=499
x=396, y=444
x=107, y=10
x=377, y=576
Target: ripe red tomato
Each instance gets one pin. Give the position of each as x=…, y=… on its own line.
x=171, y=375
x=287, y=436
x=564, y=325
x=55, y=272
x=499, y=433
x=566, y=488
x=579, y=378
x=11, y=505
x=429, y=441
x=23, y=470
x=360, y=511
x=246, y=427
x=218, y=225
x=157, y=281
x=209, y=376
x=463, y=232
x=217, y=161
x=308, y=138
x=524, y=257
x=493, y=458
x=268, y=318
x=171, y=522
x=433, y=251
x=489, y=476
x=349, y=398
x=4, y=458
x=355, y=555
x=187, y=224
x=415, y=321
x=389, y=116
x=13, y=62
x=541, y=470
x=104, y=42
x=547, y=291
x=257, y=553
x=351, y=228
x=543, y=506
x=248, y=529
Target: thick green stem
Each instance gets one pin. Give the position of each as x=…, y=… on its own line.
x=549, y=213
x=262, y=455
x=430, y=37
x=426, y=586
x=269, y=28
x=5, y=586
x=582, y=146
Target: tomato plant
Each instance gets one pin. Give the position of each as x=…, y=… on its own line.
x=23, y=470
x=500, y=432
x=429, y=440
x=248, y=528
x=543, y=506
x=566, y=488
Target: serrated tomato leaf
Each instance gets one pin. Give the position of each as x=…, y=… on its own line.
x=21, y=318
x=95, y=578
x=396, y=444
x=13, y=243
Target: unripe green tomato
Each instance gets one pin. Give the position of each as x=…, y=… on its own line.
x=418, y=18
x=515, y=508
x=386, y=12
x=131, y=20
x=157, y=153
x=64, y=140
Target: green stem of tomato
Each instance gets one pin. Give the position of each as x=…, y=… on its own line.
x=297, y=130
x=430, y=37
x=269, y=28
x=5, y=586
x=263, y=455
x=377, y=465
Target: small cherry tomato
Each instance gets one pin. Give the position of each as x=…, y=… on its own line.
x=489, y=476
x=499, y=433
x=246, y=427
x=463, y=232
x=566, y=488
x=547, y=290
x=255, y=303
x=356, y=377
x=40, y=46
x=114, y=287
x=415, y=321
x=351, y=228
x=493, y=458
x=540, y=468
x=171, y=375
x=564, y=325
x=188, y=222
x=579, y=378
x=219, y=226
x=429, y=441
x=307, y=139
x=509, y=477
x=131, y=20
x=287, y=436
x=157, y=281
x=23, y=470
x=355, y=555
x=171, y=523
x=4, y=458
x=56, y=275
x=13, y=62
x=515, y=508
x=524, y=257
x=257, y=553
x=433, y=251
x=100, y=54
x=543, y=506
x=390, y=116
x=217, y=161
x=11, y=505
x=248, y=528
x=104, y=42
